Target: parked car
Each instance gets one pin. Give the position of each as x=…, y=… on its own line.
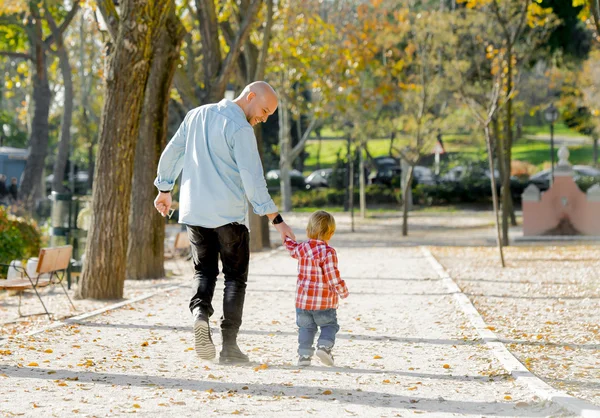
x=318, y=179
x=273, y=179
x=542, y=178
x=423, y=175
x=459, y=172
x=385, y=175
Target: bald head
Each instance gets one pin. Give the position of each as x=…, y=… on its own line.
x=258, y=100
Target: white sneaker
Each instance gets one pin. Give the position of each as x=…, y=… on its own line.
x=324, y=354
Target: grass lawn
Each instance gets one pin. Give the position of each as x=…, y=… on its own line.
x=559, y=129
x=538, y=153
x=534, y=152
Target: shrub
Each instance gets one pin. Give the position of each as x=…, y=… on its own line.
x=19, y=238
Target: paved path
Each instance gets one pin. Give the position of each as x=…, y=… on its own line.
x=404, y=348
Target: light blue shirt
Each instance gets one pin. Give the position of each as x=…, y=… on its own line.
x=216, y=148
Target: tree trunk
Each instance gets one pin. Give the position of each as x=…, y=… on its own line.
x=145, y=252
x=104, y=269
x=319, y=145
x=285, y=164
x=405, y=199
x=38, y=141
x=259, y=225
x=508, y=135
x=595, y=151
x=351, y=190
x=65, y=127
x=488, y=142
x=361, y=182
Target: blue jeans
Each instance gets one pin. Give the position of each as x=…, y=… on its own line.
x=308, y=321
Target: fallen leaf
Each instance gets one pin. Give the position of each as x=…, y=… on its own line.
x=210, y=391
x=413, y=388
x=62, y=384
x=446, y=366
x=491, y=328
x=5, y=352
x=236, y=412
x=136, y=405
x=327, y=392
x=261, y=367
x=377, y=357
x=144, y=344
x=48, y=350
x=33, y=364
x=508, y=397
x=245, y=388
x=386, y=381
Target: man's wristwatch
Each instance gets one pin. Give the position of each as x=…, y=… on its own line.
x=165, y=191
x=277, y=220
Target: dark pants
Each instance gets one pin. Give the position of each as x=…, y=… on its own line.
x=231, y=243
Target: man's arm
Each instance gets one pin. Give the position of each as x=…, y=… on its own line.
x=248, y=161
x=169, y=167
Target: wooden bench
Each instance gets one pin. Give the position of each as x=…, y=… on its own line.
x=51, y=262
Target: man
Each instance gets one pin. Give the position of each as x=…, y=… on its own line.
x=216, y=148
x=13, y=189
x=3, y=190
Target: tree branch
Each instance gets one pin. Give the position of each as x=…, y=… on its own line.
x=110, y=16
x=595, y=10
x=521, y=23
x=240, y=39
x=262, y=58
x=64, y=25
x=300, y=145
x=20, y=55
x=209, y=36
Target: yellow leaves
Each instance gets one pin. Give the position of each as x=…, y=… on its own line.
x=33, y=364
x=413, y=388
x=538, y=15
x=144, y=344
x=5, y=352
x=261, y=367
x=377, y=357
x=87, y=363
x=327, y=392
x=189, y=349
x=236, y=412
x=386, y=381
x=446, y=366
x=508, y=397
x=48, y=350
x=136, y=405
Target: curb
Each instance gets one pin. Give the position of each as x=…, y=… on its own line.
x=508, y=360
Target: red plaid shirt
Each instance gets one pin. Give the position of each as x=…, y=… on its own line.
x=319, y=283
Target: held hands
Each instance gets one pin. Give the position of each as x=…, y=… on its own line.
x=162, y=203
x=285, y=231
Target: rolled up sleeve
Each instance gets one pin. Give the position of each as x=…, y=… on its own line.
x=171, y=160
x=248, y=161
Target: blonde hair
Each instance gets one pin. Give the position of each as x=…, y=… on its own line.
x=321, y=225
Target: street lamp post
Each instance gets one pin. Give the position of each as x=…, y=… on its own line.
x=551, y=115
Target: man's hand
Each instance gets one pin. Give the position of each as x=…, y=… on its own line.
x=285, y=231
x=162, y=203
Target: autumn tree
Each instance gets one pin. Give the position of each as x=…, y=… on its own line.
x=27, y=18
x=519, y=27
x=134, y=31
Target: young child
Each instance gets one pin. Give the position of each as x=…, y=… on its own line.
x=318, y=288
